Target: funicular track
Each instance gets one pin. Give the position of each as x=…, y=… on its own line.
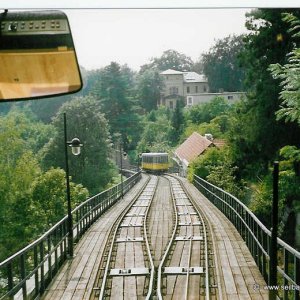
x=187, y=269
x=127, y=270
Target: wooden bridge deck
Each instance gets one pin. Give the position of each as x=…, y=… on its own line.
x=237, y=273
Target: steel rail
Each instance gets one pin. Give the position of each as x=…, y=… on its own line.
x=204, y=215
x=159, y=275
x=190, y=254
x=200, y=214
x=184, y=192
x=205, y=242
x=113, y=232
x=150, y=290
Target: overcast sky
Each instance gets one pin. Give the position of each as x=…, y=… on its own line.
x=133, y=36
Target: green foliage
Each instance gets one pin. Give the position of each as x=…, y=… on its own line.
x=289, y=75
x=289, y=190
x=177, y=121
x=92, y=168
x=150, y=85
x=170, y=59
x=16, y=212
x=30, y=132
x=49, y=196
x=221, y=65
x=205, y=112
x=246, y=151
x=203, y=165
x=214, y=128
x=113, y=89
x=263, y=134
x=157, y=135
x=211, y=117
x=224, y=177
x=290, y=153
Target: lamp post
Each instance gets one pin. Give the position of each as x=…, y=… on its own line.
x=122, y=154
x=75, y=145
x=274, y=233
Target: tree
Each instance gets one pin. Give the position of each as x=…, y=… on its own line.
x=170, y=59
x=203, y=164
x=92, y=168
x=48, y=194
x=221, y=65
x=114, y=91
x=264, y=135
x=205, y=112
x=289, y=75
x=289, y=190
x=17, y=222
x=177, y=121
x=150, y=85
x=157, y=133
x=223, y=176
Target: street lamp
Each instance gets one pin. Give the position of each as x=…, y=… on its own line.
x=123, y=154
x=75, y=144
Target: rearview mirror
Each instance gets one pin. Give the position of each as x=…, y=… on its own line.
x=37, y=56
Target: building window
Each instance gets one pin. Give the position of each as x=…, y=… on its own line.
x=230, y=97
x=189, y=101
x=204, y=88
x=196, y=89
x=171, y=104
x=188, y=89
x=173, y=90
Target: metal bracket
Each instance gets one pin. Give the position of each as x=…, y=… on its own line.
x=140, y=205
x=129, y=272
x=144, y=198
x=187, y=238
x=183, y=270
x=136, y=215
x=131, y=225
x=130, y=239
x=195, y=223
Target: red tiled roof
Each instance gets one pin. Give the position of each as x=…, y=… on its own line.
x=192, y=147
x=219, y=143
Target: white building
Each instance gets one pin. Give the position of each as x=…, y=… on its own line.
x=189, y=87
x=195, y=99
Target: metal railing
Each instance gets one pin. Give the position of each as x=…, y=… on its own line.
x=26, y=274
x=258, y=240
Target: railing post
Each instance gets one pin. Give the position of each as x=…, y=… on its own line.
x=23, y=275
x=10, y=281
x=36, y=275
x=43, y=285
x=297, y=277
x=273, y=248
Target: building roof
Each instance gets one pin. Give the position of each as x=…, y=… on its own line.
x=219, y=143
x=193, y=77
x=187, y=76
x=171, y=72
x=192, y=147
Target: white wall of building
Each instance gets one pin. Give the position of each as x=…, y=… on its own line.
x=195, y=99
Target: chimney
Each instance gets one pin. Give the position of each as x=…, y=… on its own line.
x=209, y=136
